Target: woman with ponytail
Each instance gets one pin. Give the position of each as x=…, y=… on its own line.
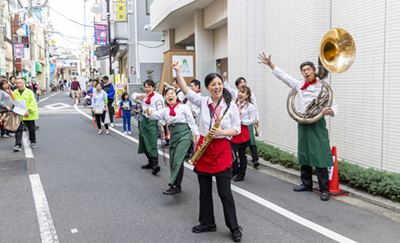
x=217, y=158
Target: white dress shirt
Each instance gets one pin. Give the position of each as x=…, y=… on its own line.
x=231, y=119
x=234, y=94
x=155, y=99
x=248, y=114
x=305, y=96
x=183, y=115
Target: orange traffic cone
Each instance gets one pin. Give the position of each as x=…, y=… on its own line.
x=334, y=190
x=119, y=115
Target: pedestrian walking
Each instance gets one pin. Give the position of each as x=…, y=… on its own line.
x=35, y=89
x=139, y=113
x=31, y=114
x=6, y=103
x=61, y=85
x=126, y=107
x=108, y=87
x=100, y=107
x=181, y=123
x=75, y=87
x=313, y=139
x=216, y=159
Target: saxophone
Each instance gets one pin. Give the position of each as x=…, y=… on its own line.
x=206, y=142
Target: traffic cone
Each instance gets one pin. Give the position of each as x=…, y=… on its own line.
x=334, y=190
x=119, y=115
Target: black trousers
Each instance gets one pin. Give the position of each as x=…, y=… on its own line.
x=206, y=201
x=254, y=153
x=102, y=117
x=111, y=109
x=153, y=161
x=31, y=129
x=179, y=177
x=322, y=174
x=240, y=170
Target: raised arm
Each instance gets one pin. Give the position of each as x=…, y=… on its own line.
x=176, y=65
x=266, y=60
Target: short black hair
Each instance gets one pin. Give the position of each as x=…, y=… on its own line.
x=307, y=63
x=105, y=77
x=238, y=81
x=149, y=82
x=12, y=77
x=196, y=82
x=175, y=80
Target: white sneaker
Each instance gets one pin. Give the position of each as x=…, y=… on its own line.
x=125, y=133
x=112, y=125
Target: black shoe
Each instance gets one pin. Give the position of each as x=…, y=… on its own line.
x=17, y=148
x=324, y=195
x=156, y=169
x=237, y=234
x=148, y=166
x=302, y=188
x=238, y=178
x=256, y=164
x=166, y=144
x=204, y=227
x=172, y=190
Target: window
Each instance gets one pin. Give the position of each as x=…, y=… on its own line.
x=148, y=3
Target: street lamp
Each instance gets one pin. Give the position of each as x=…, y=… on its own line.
x=21, y=31
x=96, y=8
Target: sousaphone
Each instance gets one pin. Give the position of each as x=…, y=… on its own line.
x=337, y=52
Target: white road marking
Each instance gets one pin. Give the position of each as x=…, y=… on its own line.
x=48, y=232
x=73, y=231
x=27, y=147
x=294, y=217
x=57, y=106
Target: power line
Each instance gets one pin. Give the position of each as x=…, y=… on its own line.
x=70, y=19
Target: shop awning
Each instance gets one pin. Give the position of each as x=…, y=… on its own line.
x=51, y=67
x=38, y=67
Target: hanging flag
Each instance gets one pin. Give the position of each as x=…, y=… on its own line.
x=100, y=34
x=19, y=50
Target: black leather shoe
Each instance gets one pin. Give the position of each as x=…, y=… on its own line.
x=238, y=178
x=204, y=227
x=324, y=195
x=148, y=166
x=256, y=164
x=237, y=234
x=172, y=190
x=302, y=188
x=156, y=169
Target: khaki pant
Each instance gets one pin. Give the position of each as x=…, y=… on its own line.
x=76, y=93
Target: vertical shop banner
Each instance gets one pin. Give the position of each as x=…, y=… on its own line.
x=100, y=34
x=103, y=3
x=87, y=62
x=33, y=69
x=19, y=50
x=2, y=62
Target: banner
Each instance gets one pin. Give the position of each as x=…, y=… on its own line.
x=100, y=34
x=19, y=50
x=2, y=62
x=187, y=67
x=87, y=62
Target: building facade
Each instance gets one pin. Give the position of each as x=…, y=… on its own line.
x=229, y=35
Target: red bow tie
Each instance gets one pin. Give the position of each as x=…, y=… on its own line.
x=172, y=109
x=148, y=101
x=198, y=91
x=306, y=84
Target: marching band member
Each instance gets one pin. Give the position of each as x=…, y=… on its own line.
x=148, y=128
x=181, y=124
x=248, y=113
x=313, y=149
x=240, y=82
x=217, y=158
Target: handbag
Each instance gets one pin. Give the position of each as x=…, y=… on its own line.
x=98, y=111
x=12, y=121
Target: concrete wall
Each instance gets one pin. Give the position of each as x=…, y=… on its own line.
x=215, y=14
x=185, y=29
x=221, y=42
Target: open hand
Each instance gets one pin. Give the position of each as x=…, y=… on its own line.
x=225, y=76
x=176, y=65
x=264, y=59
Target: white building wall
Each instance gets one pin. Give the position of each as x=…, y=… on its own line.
x=221, y=42
x=292, y=37
x=184, y=30
x=215, y=14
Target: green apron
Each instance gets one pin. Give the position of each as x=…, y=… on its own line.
x=313, y=147
x=179, y=143
x=148, y=132
x=252, y=137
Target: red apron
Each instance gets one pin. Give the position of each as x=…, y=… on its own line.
x=244, y=136
x=216, y=158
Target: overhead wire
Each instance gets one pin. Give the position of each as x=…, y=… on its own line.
x=70, y=19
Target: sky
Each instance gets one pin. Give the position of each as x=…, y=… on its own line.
x=73, y=9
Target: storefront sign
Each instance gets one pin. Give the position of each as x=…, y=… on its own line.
x=19, y=50
x=187, y=68
x=100, y=34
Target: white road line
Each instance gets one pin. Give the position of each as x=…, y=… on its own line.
x=294, y=217
x=48, y=232
x=47, y=97
x=27, y=147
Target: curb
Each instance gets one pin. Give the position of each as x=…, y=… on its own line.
x=377, y=200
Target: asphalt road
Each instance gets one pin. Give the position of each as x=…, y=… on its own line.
x=95, y=191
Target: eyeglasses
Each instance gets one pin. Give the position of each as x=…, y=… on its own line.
x=306, y=70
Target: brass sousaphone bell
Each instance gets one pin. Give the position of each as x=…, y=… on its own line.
x=337, y=52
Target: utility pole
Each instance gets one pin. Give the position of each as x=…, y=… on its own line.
x=1, y=25
x=31, y=45
x=109, y=35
